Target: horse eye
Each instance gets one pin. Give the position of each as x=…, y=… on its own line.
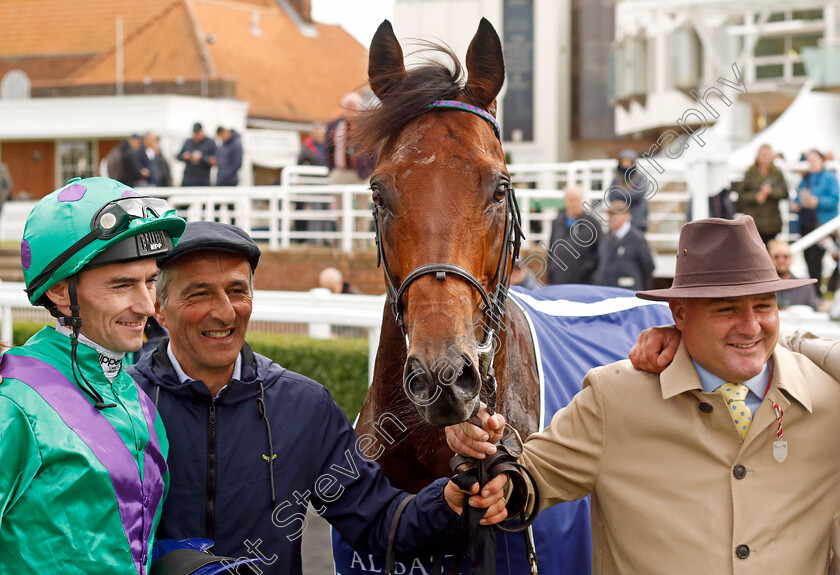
x=501, y=192
x=377, y=197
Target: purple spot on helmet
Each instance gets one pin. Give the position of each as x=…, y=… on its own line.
x=72, y=193
x=25, y=254
x=129, y=193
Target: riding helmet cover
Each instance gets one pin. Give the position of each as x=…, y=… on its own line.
x=89, y=223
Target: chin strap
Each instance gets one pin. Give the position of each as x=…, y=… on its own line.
x=75, y=323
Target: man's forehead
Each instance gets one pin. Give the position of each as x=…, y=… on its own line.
x=203, y=257
x=131, y=269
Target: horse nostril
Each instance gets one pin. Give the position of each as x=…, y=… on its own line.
x=463, y=377
x=416, y=379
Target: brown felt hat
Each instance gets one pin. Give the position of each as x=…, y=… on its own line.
x=722, y=258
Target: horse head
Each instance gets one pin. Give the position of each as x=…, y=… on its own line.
x=446, y=219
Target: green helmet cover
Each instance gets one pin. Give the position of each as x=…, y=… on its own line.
x=62, y=218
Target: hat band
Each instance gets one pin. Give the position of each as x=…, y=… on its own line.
x=722, y=278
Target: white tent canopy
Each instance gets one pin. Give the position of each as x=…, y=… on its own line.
x=811, y=121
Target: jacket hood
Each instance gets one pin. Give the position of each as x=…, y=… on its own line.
x=157, y=368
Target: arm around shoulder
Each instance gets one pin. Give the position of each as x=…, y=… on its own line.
x=825, y=353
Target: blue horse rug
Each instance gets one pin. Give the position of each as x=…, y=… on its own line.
x=575, y=328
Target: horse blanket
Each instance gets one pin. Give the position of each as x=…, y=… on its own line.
x=575, y=328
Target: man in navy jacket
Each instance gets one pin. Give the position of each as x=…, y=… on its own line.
x=198, y=153
x=251, y=443
x=228, y=157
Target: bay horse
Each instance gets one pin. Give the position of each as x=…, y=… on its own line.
x=448, y=234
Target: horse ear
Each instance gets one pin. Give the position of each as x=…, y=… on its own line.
x=385, y=63
x=485, y=65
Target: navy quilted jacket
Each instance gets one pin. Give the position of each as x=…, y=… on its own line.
x=220, y=455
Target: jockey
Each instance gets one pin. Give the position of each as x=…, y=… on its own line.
x=83, y=472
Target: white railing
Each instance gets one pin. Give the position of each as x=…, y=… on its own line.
x=305, y=208
x=321, y=310
x=318, y=308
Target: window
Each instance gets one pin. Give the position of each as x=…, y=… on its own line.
x=75, y=160
x=799, y=42
x=769, y=71
x=815, y=14
x=15, y=85
x=770, y=47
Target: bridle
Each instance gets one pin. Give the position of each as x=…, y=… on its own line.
x=495, y=303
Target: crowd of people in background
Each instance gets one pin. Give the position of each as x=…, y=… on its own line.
x=138, y=162
x=619, y=255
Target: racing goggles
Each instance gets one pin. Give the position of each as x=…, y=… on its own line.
x=109, y=221
x=113, y=218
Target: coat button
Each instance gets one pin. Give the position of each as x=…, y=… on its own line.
x=742, y=551
x=739, y=471
x=706, y=407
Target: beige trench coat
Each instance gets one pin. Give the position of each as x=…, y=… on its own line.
x=675, y=489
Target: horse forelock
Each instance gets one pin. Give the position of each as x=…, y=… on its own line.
x=430, y=81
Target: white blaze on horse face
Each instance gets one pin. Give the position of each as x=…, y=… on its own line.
x=425, y=161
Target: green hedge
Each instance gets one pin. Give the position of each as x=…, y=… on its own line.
x=339, y=364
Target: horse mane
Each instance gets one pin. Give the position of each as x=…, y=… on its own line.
x=430, y=81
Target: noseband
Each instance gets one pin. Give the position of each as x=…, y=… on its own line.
x=495, y=303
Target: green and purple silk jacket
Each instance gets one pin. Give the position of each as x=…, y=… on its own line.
x=81, y=490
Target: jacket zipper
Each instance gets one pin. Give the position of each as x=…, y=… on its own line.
x=210, y=497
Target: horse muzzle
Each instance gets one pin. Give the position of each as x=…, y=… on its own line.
x=445, y=391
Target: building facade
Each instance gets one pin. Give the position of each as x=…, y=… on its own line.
x=78, y=76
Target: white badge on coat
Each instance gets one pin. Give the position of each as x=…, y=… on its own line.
x=780, y=450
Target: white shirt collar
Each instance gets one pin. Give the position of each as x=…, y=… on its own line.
x=110, y=361
x=184, y=378
x=622, y=231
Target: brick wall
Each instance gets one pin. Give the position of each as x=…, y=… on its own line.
x=298, y=269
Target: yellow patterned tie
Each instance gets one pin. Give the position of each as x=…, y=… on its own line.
x=735, y=394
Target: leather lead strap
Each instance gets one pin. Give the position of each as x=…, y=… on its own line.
x=390, y=563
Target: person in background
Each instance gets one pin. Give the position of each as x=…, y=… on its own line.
x=630, y=185
x=580, y=268
x=252, y=443
x=346, y=165
x=816, y=203
x=163, y=172
x=148, y=156
x=313, y=153
x=228, y=157
x=333, y=280
x=522, y=277
x=312, y=147
x=764, y=186
x=624, y=256
x=803, y=295
x=133, y=172
x=197, y=153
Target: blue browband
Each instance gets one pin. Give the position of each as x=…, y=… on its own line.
x=456, y=105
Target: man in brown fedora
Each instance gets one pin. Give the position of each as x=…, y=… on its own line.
x=727, y=461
